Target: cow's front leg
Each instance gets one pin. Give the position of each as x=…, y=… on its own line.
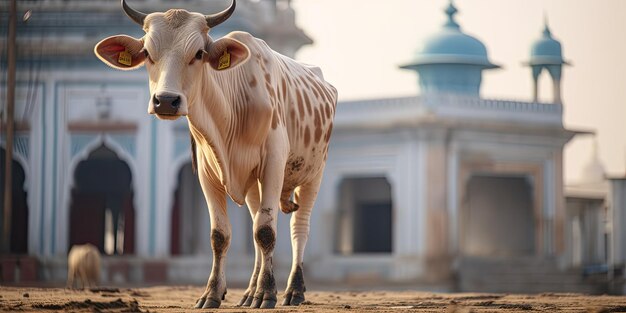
x=265, y=219
x=253, y=200
x=265, y=238
x=220, y=241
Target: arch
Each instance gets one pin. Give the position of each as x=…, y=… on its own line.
x=101, y=208
x=97, y=141
x=180, y=161
x=21, y=160
x=365, y=204
x=189, y=216
x=19, y=212
x=177, y=166
x=547, y=79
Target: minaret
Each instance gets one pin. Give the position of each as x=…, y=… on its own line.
x=546, y=53
x=593, y=171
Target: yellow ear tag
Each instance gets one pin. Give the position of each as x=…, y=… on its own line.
x=224, y=61
x=125, y=58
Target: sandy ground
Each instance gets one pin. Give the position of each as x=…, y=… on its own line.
x=181, y=299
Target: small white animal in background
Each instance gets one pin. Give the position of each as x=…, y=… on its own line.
x=83, y=263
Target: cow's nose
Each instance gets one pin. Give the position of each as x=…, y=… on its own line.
x=167, y=100
x=166, y=103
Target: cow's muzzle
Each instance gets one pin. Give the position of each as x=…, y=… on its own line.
x=166, y=103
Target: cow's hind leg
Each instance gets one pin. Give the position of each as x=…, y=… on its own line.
x=305, y=197
x=253, y=200
x=220, y=241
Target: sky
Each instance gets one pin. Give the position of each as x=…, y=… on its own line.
x=360, y=43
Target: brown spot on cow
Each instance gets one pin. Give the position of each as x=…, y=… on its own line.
x=317, y=119
x=252, y=82
x=296, y=164
x=307, y=136
x=265, y=238
x=292, y=114
x=318, y=134
x=219, y=242
x=318, y=125
x=268, y=78
x=309, y=111
x=326, y=110
x=328, y=132
x=300, y=104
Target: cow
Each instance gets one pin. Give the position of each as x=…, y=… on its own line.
x=260, y=124
x=83, y=263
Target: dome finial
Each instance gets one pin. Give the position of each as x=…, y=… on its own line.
x=546, y=28
x=450, y=12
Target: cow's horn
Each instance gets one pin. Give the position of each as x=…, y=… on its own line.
x=218, y=18
x=134, y=15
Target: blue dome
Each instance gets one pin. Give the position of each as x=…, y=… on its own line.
x=546, y=50
x=451, y=46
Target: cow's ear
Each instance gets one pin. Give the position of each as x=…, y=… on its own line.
x=121, y=52
x=226, y=53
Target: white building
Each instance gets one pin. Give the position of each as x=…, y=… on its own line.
x=445, y=188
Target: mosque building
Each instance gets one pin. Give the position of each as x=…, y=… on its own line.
x=446, y=188
x=466, y=189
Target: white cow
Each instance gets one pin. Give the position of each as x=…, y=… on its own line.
x=83, y=263
x=260, y=124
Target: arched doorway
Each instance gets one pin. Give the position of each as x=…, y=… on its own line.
x=365, y=223
x=190, y=222
x=101, y=209
x=498, y=219
x=19, y=212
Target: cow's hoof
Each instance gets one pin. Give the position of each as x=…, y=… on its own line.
x=246, y=300
x=259, y=303
x=199, y=303
x=293, y=298
x=268, y=304
x=211, y=304
x=256, y=303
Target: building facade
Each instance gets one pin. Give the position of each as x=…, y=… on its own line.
x=443, y=188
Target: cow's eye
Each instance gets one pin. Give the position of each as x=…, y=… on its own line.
x=199, y=54
x=147, y=55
